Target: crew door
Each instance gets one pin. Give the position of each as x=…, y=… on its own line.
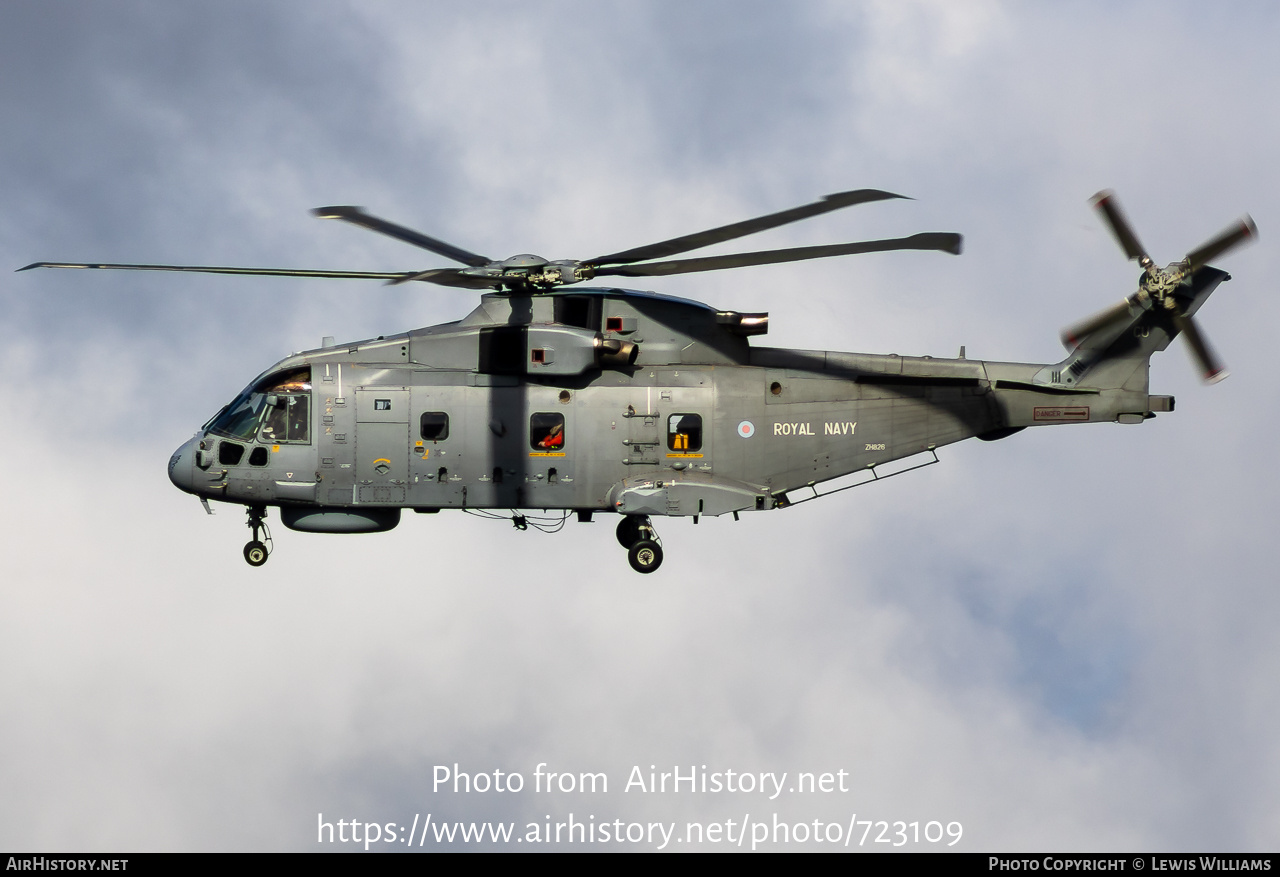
x=382, y=445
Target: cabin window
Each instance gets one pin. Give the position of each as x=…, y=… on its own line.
x=259, y=456
x=435, y=426
x=546, y=432
x=684, y=432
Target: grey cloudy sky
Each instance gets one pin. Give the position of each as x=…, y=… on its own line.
x=1063, y=641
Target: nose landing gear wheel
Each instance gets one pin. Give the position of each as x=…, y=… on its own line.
x=259, y=549
x=255, y=553
x=645, y=556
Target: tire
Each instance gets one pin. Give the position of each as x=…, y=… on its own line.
x=255, y=554
x=629, y=530
x=645, y=556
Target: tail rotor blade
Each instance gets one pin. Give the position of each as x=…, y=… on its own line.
x=1112, y=316
x=1107, y=205
x=1211, y=368
x=1237, y=234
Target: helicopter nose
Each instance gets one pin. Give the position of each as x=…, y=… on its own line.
x=181, y=467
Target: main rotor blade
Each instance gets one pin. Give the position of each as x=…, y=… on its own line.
x=1076, y=332
x=450, y=277
x=1110, y=209
x=739, y=229
x=208, y=269
x=356, y=216
x=1211, y=368
x=1236, y=234
x=947, y=242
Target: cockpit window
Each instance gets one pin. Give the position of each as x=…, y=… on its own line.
x=287, y=418
x=278, y=410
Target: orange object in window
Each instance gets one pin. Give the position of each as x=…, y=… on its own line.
x=554, y=439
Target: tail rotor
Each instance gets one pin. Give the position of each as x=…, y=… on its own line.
x=1166, y=289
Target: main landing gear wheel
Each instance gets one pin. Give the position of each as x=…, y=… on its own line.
x=630, y=529
x=256, y=553
x=645, y=556
x=644, y=548
x=259, y=548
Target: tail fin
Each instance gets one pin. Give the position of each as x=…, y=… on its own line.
x=1112, y=352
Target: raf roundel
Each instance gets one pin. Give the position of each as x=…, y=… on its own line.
x=746, y=429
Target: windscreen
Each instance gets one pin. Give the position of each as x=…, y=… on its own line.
x=277, y=409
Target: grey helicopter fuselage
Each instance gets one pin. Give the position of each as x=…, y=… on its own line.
x=609, y=400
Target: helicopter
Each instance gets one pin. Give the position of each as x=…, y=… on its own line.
x=579, y=401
